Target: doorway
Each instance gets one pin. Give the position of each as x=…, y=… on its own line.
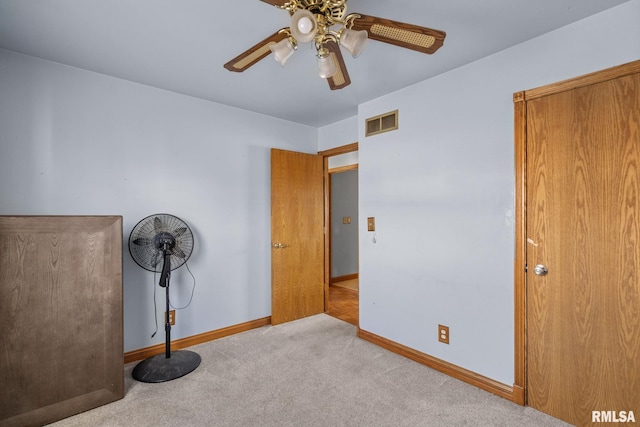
x=341, y=256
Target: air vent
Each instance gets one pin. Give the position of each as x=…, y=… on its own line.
x=382, y=123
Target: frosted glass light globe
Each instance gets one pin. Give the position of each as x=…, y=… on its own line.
x=305, y=25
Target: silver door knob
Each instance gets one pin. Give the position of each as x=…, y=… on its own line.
x=279, y=245
x=540, y=270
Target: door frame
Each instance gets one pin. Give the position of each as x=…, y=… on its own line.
x=520, y=136
x=349, y=148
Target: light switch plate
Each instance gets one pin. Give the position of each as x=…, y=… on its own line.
x=371, y=224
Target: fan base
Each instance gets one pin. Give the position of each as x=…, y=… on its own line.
x=159, y=368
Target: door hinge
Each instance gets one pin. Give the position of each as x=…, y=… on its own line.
x=526, y=268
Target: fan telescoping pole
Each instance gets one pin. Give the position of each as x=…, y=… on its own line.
x=164, y=282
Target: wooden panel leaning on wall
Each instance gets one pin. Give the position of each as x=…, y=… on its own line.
x=61, y=293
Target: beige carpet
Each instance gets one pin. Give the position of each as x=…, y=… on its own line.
x=311, y=372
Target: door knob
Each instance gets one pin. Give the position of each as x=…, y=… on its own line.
x=540, y=270
x=279, y=245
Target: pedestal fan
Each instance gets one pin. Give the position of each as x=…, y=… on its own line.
x=161, y=243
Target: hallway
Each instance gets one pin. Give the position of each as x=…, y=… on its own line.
x=343, y=301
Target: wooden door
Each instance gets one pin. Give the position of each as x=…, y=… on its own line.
x=583, y=224
x=297, y=235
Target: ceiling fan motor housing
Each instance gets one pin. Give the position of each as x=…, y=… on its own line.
x=334, y=11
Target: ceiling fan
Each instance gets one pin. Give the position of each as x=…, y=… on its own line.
x=327, y=24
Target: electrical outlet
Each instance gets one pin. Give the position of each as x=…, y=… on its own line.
x=443, y=334
x=172, y=317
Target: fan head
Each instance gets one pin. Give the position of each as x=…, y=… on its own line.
x=154, y=235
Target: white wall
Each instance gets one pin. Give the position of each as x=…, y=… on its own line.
x=74, y=142
x=442, y=191
x=337, y=134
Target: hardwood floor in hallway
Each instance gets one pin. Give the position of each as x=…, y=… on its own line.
x=343, y=304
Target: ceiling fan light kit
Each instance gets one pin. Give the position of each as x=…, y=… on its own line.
x=353, y=41
x=303, y=26
x=283, y=50
x=326, y=65
x=327, y=24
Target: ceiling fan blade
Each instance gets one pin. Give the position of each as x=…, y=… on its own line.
x=414, y=37
x=254, y=54
x=341, y=78
x=278, y=3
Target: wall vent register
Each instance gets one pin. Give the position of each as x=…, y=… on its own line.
x=382, y=123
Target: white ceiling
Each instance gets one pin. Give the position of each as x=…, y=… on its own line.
x=181, y=45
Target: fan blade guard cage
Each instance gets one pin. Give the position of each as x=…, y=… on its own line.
x=153, y=234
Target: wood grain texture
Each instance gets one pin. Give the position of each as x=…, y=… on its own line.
x=349, y=148
x=255, y=53
x=61, y=292
x=345, y=278
x=409, y=36
x=297, y=220
x=326, y=189
x=520, y=117
x=585, y=80
x=341, y=77
x=278, y=3
x=583, y=215
x=344, y=304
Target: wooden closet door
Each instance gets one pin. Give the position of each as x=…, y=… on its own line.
x=583, y=225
